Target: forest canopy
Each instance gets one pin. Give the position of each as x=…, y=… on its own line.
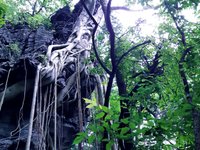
x=84, y=77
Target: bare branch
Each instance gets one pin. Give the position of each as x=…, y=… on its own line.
x=93, y=39
x=112, y=53
x=151, y=112
x=125, y=8
x=89, y=13
x=34, y=8
x=35, y=12
x=185, y=52
x=39, y=10
x=121, y=8
x=179, y=30
x=131, y=49
x=111, y=36
x=183, y=75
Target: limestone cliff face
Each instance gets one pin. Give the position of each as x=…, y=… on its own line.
x=21, y=50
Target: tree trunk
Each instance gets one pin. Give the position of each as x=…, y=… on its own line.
x=196, y=124
x=124, y=144
x=195, y=113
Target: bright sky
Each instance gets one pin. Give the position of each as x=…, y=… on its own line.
x=128, y=18
x=152, y=21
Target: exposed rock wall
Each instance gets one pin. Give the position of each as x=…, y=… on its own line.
x=21, y=50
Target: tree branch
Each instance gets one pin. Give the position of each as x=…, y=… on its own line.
x=93, y=39
x=183, y=75
x=185, y=52
x=112, y=53
x=177, y=26
x=131, y=49
x=121, y=8
x=34, y=8
x=135, y=10
x=180, y=31
x=34, y=12
x=111, y=36
x=89, y=13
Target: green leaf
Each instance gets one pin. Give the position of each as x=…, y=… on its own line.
x=104, y=108
x=125, y=121
x=82, y=134
x=88, y=101
x=132, y=125
x=124, y=130
x=90, y=106
x=92, y=103
x=109, y=145
x=92, y=127
x=100, y=128
x=100, y=115
x=91, y=139
x=100, y=137
x=115, y=126
x=150, y=123
x=78, y=140
x=108, y=117
x=106, y=125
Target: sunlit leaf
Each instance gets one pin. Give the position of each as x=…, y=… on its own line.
x=100, y=115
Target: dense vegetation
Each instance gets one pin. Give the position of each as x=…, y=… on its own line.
x=149, y=89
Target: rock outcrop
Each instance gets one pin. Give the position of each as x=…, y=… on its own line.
x=21, y=50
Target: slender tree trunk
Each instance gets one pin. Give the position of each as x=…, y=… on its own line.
x=195, y=113
x=124, y=144
x=108, y=90
x=196, y=124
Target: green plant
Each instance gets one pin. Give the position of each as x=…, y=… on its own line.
x=14, y=48
x=3, y=9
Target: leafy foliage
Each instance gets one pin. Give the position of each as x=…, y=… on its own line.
x=160, y=114
x=34, y=13
x=3, y=9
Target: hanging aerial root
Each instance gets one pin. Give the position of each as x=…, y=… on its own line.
x=33, y=108
x=99, y=90
x=55, y=109
x=4, y=93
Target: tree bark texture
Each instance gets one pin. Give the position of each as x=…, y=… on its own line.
x=124, y=144
x=195, y=112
